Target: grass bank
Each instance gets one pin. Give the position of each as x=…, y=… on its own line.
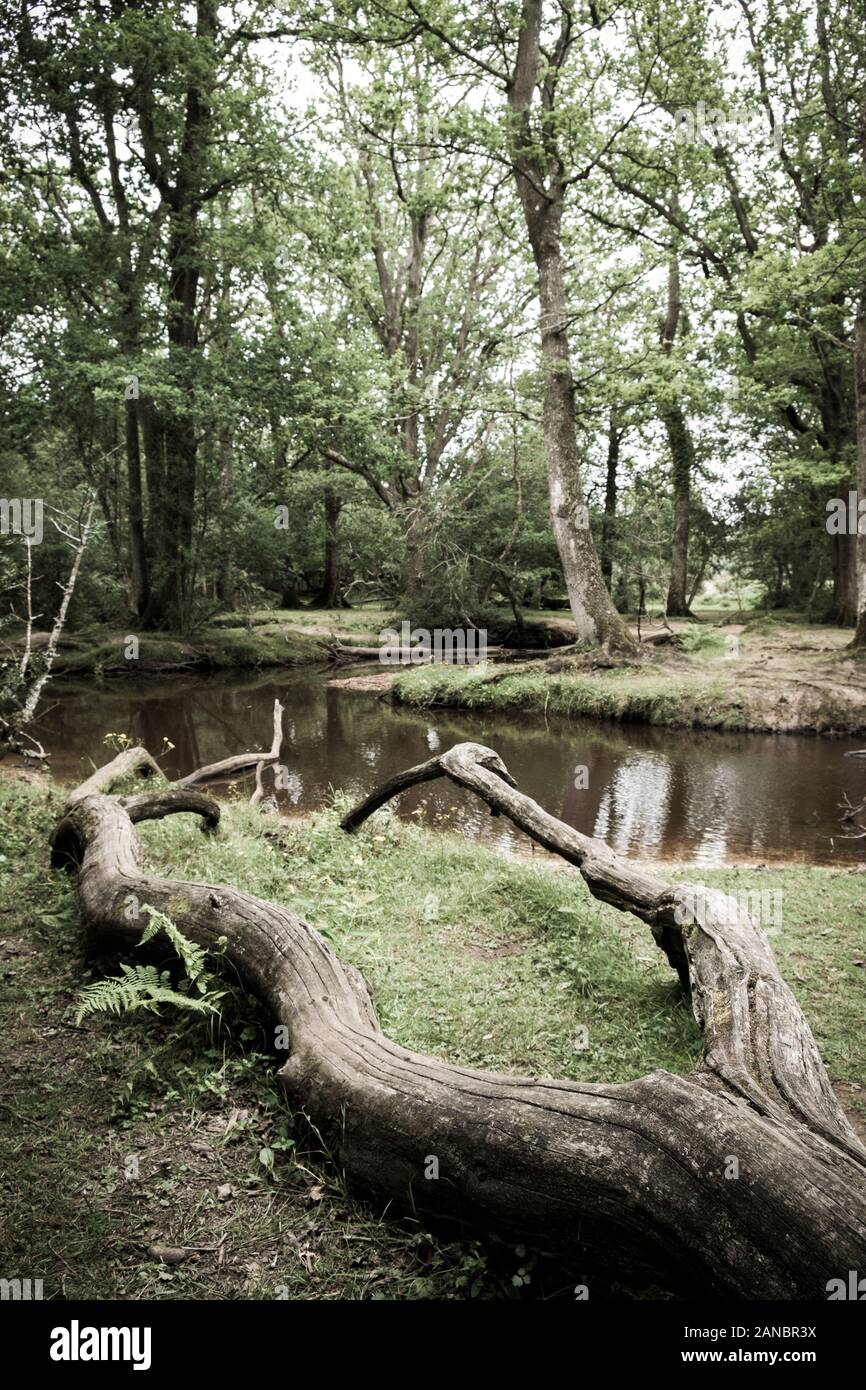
x=232, y=641
x=107, y=653
x=764, y=676
x=138, y=1132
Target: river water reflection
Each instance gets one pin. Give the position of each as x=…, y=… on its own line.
x=703, y=797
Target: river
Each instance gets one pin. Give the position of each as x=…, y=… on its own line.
x=701, y=797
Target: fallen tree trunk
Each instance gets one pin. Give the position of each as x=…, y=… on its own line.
x=635, y=1181
x=240, y=762
x=349, y=656
x=409, y=656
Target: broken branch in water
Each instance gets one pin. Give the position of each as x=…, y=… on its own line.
x=241, y=762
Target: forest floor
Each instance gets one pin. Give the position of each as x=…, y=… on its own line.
x=137, y=1132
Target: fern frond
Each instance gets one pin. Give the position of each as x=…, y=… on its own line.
x=193, y=956
x=139, y=987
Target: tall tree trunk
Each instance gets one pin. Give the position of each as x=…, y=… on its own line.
x=130, y=341
x=541, y=185
x=153, y=440
x=614, y=439
x=597, y=621
x=843, y=557
x=329, y=594
x=418, y=233
x=140, y=586
x=860, y=400
x=682, y=458
x=179, y=429
x=171, y=603
x=226, y=576
x=417, y=544
x=860, y=428
x=154, y=471
x=221, y=335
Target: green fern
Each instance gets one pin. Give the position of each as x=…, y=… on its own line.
x=143, y=987
x=193, y=956
x=139, y=987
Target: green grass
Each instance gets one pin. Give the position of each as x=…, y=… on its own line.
x=232, y=641
x=701, y=639
x=779, y=677
x=464, y=951
x=483, y=961
x=213, y=649
x=365, y=621
x=650, y=697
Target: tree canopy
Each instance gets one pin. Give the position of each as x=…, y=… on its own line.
x=470, y=308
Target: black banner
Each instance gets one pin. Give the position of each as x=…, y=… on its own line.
x=83, y=1340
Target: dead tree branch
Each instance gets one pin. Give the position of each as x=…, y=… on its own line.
x=241, y=762
x=79, y=546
